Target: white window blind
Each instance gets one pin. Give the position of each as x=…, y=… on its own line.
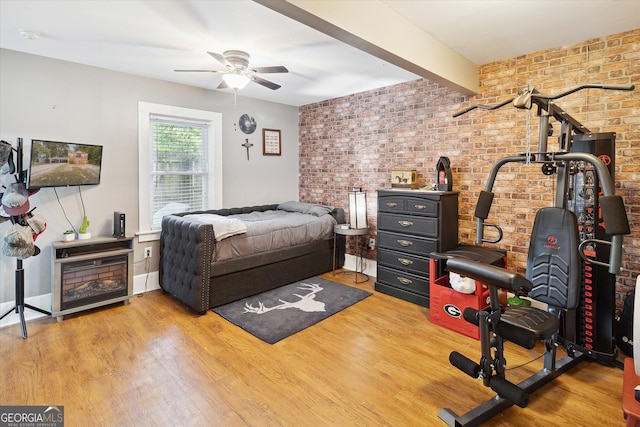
x=179, y=168
x=180, y=163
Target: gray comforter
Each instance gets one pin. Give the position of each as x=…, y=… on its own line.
x=269, y=230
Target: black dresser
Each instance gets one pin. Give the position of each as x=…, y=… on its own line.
x=411, y=225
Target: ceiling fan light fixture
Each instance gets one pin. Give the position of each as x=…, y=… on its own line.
x=236, y=73
x=235, y=80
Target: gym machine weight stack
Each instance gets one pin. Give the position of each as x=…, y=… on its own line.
x=593, y=321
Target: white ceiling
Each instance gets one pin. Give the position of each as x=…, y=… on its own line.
x=151, y=38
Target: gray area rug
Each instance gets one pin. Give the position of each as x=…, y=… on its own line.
x=276, y=314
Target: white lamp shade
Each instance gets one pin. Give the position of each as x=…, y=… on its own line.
x=235, y=80
x=357, y=209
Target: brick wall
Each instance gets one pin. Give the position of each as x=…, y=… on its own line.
x=356, y=141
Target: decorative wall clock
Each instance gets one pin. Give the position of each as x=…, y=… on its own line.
x=247, y=124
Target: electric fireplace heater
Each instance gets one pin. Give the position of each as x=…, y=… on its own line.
x=89, y=274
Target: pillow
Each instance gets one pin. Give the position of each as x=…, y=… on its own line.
x=305, y=208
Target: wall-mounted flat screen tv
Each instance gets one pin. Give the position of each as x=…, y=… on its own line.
x=63, y=164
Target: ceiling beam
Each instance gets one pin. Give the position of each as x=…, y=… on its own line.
x=373, y=27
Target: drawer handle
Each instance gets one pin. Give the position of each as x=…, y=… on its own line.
x=405, y=223
x=405, y=261
x=420, y=207
x=404, y=243
x=404, y=281
x=391, y=204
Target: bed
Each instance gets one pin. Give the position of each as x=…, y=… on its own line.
x=210, y=258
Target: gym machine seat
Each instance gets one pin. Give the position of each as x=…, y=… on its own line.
x=552, y=277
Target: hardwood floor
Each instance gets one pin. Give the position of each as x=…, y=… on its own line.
x=377, y=363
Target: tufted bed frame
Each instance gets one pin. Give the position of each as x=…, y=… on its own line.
x=187, y=272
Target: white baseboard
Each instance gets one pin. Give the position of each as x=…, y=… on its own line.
x=41, y=301
x=146, y=282
x=370, y=265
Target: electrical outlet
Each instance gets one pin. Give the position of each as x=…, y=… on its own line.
x=372, y=243
x=147, y=252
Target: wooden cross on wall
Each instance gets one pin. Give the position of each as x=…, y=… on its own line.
x=247, y=145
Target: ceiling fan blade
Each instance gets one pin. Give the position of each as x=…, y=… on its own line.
x=275, y=69
x=221, y=59
x=197, y=71
x=265, y=83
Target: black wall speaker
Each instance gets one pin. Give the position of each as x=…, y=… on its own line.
x=118, y=225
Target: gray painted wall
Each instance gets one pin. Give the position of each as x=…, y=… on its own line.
x=62, y=101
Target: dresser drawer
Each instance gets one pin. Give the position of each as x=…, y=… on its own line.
x=403, y=261
x=392, y=203
x=404, y=280
x=414, y=205
x=423, y=226
x=411, y=204
x=407, y=243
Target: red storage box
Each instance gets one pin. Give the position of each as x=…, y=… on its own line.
x=447, y=304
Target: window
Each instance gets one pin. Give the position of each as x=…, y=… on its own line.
x=180, y=160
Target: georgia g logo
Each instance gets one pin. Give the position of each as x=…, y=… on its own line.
x=452, y=311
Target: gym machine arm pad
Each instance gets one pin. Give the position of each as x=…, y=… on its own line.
x=484, y=204
x=614, y=215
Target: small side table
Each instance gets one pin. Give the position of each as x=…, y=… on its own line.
x=357, y=232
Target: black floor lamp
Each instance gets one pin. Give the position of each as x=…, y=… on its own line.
x=19, y=273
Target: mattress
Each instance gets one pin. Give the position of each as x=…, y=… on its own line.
x=269, y=230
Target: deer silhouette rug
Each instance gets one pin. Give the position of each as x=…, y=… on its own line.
x=276, y=314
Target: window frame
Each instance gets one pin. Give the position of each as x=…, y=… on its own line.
x=145, y=112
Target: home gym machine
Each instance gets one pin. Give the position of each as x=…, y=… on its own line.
x=574, y=254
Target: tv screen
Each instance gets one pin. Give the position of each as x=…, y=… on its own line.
x=63, y=164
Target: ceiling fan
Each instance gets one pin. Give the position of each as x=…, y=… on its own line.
x=236, y=72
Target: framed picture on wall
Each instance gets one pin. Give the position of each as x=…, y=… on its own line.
x=271, y=143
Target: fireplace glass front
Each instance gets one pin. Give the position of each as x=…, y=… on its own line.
x=90, y=281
